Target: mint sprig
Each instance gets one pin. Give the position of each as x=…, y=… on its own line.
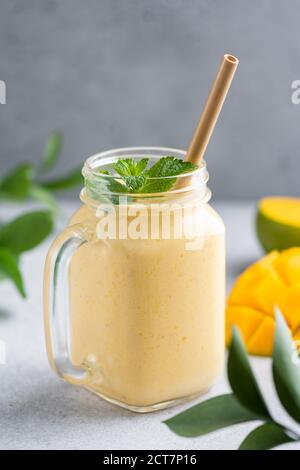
x=136, y=177
x=247, y=403
x=128, y=167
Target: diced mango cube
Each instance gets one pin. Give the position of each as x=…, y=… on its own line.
x=272, y=281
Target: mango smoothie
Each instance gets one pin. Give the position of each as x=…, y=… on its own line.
x=139, y=319
x=150, y=312
x=143, y=314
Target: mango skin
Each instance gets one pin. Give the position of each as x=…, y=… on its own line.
x=275, y=235
x=272, y=281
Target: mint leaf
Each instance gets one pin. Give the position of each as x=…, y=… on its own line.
x=130, y=171
x=141, y=165
x=135, y=183
x=170, y=166
x=106, y=189
x=124, y=167
x=26, y=231
x=115, y=186
x=158, y=185
x=9, y=269
x=106, y=184
x=52, y=151
x=128, y=167
x=16, y=184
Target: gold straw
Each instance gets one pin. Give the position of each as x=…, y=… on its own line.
x=212, y=109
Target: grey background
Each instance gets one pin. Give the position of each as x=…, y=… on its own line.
x=112, y=73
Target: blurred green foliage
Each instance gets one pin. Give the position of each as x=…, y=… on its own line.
x=29, y=182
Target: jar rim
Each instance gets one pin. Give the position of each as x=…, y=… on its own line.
x=109, y=156
x=90, y=171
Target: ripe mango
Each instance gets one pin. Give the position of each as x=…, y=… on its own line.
x=272, y=281
x=278, y=222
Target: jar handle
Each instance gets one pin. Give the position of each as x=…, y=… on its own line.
x=56, y=307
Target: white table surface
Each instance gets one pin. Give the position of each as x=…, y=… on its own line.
x=40, y=411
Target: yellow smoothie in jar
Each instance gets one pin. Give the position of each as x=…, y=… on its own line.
x=140, y=320
x=149, y=313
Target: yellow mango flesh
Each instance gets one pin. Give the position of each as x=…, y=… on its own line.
x=288, y=265
x=285, y=210
x=258, y=285
x=272, y=281
x=278, y=223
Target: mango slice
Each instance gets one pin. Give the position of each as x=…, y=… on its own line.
x=259, y=286
x=247, y=319
x=288, y=265
x=261, y=342
x=272, y=281
x=290, y=304
x=278, y=223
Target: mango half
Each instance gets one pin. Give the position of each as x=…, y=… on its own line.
x=278, y=223
x=272, y=281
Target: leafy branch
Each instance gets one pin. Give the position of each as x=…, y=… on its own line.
x=25, y=232
x=20, y=235
x=247, y=403
x=27, y=181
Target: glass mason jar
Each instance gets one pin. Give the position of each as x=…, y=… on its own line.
x=135, y=287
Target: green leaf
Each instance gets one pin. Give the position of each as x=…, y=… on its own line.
x=128, y=167
x=267, y=436
x=71, y=180
x=26, y=231
x=135, y=183
x=115, y=186
x=9, y=269
x=158, y=185
x=157, y=179
x=104, y=185
x=242, y=379
x=163, y=170
x=124, y=167
x=51, y=151
x=210, y=415
x=131, y=172
x=45, y=197
x=16, y=184
x=170, y=166
x=286, y=370
x=141, y=165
